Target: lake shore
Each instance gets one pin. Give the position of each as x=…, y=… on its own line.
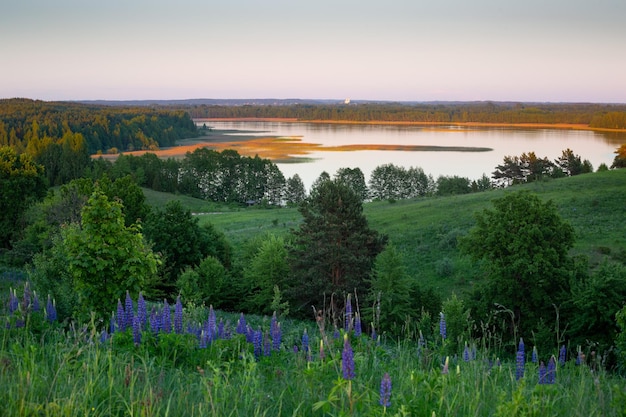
x=566, y=126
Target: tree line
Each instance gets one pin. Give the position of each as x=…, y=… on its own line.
x=595, y=115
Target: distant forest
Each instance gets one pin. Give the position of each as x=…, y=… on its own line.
x=602, y=116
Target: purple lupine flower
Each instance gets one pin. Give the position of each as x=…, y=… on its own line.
x=27, y=298
x=257, y=342
x=242, y=327
x=119, y=317
x=466, y=353
x=305, y=341
x=36, y=304
x=129, y=312
x=104, y=336
x=249, y=334
x=385, y=391
x=178, y=316
x=221, y=330
x=212, y=324
x=155, y=321
x=347, y=359
x=551, y=372
x=295, y=349
x=348, y=325
x=442, y=326
x=357, y=325
x=51, y=311
x=267, y=345
x=520, y=361
x=562, y=355
x=13, y=301
x=276, y=333
x=166, y=318
x=534, y=357
x=142, y=312
x=542, y=373
x=336, y=334
x=136, y=330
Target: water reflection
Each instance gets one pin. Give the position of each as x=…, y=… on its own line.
x=597, y=147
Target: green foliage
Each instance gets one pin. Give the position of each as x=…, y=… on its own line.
x=391, y=182
x=354, y=179
x=620, y=157
x=205, y=284
x=458, y=323
x=620, y=339
x=453, y=185
x=22, y=183
x=334, y=249
x=265, y=272
x=182, y=242
x=105, y=258
x=295, y=193
x=525, y=245
x=595, y=301
x=390, y=293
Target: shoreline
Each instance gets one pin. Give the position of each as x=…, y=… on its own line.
x=560, y=126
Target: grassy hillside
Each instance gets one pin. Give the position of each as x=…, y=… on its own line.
x=426, y=230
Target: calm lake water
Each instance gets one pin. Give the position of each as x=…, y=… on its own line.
x=596, y=147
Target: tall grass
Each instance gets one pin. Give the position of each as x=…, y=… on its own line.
x=52, y=369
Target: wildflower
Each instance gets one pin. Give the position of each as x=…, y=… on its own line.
x=357, y=325
x=136, y=330
x=166, y=318
x=562, y=355
x=305, y=341
x=385, y=391
x=534, y=358
x=442, y=325
x=267, y=345
x=221, y=330
x=212, y=324
x=13, y=301
x=112, y=325
x=155, y=321
x=142, y=313
x=36, y=305
x=257, y=342
x=519, y=368
x=446, y=366
x=128, y=311
x=249, y=334
x=276, y=334
x=178, y=316
x=119, y=317
x=242, y=327
x=542, y=373
x=336, y=334
x=348, y=325
x=466, y=353
x=51, y=311
x=347, y=359
x=551, y=372
x=27, y=298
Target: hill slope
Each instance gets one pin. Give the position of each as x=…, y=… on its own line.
x=426, y=230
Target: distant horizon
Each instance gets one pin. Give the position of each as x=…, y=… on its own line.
x=307, y=100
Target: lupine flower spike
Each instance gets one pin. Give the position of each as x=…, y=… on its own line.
x=542, y=373
x=385, y=391
x=166, y=318
x=562, y=355
x=347, y=359
x=128, y=311
x=142, y=312
x=551, y=372
x=534, y=358
x=442, y=326
x=178, y=316
x=348, y=324
x=519, y=369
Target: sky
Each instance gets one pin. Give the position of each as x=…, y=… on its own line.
x=397, y=50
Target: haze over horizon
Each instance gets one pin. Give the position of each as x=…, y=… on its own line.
x=403, y=50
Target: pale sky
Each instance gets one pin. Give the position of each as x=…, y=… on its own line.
x=517, y=50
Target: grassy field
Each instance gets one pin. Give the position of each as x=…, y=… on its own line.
x=426, y=230
x=48, y=369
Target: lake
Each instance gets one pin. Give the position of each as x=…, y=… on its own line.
x=597, y=147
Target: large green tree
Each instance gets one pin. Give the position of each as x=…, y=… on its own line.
x=22, y=182
x=523, y=244
x=334, y=249
x=105, y=257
